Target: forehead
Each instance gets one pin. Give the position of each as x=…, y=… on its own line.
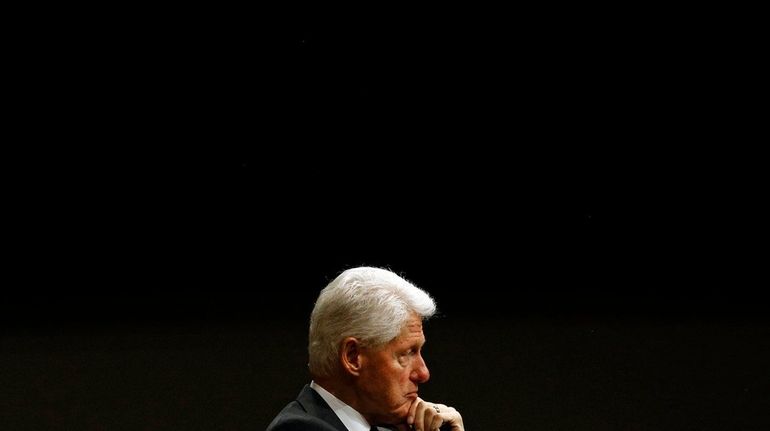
x=413, y=325
x=411, y=331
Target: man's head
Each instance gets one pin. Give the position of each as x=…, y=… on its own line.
x=366, y=334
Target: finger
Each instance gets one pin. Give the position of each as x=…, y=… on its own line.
x=420, y=416
x=436, y=423
x=412, y=409
x=429, y=415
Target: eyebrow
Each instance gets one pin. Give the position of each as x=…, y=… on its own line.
x=418, y=343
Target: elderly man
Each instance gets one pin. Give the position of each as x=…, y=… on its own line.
x=365, y=359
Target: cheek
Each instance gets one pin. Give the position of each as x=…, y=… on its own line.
x=395, y=377
x=405, y=375
x=402, y=376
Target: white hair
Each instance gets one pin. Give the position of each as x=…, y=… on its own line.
x=370, y=304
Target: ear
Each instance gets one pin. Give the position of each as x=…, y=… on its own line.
x=350, y=355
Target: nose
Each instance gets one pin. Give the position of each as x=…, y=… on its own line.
x=420, y=373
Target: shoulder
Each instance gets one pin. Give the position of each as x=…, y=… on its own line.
x=292, y=421
x=294, y=417
x=309, y=412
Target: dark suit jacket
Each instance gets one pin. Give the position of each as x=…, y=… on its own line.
x=308, y=412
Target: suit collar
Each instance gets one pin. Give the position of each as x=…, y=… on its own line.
x=316, y=406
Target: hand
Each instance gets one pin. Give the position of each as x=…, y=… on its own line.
x=425, y=416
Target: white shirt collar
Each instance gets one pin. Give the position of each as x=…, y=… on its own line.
x=352, y=420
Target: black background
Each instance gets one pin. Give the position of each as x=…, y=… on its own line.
x=190, y=179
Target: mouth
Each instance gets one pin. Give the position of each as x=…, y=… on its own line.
x=411, y=395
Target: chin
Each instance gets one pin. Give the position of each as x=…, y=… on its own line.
x=400, y=412
x=396, y=417
x=403, y=411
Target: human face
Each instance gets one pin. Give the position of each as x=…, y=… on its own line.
x=391, y=373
